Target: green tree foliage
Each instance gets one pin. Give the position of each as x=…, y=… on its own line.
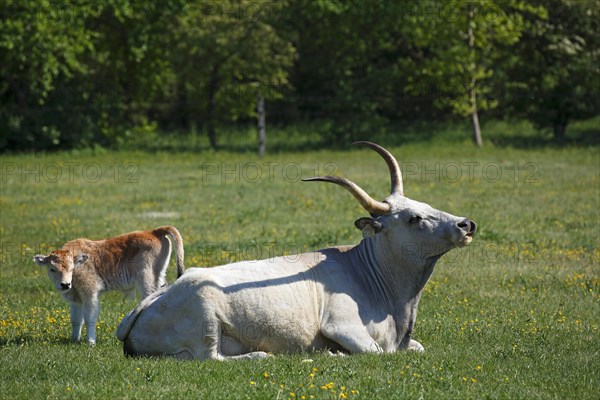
x=81, y=73
x=466, y=39
x=355, y=63
x=555, y=73
x=226, y=52
x=129, y=73
x=42, y=44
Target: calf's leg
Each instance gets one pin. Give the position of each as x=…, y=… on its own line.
x=91, y=312
x=76, y=321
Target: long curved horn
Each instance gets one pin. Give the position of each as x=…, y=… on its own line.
x=371, y=205
x=395, y=173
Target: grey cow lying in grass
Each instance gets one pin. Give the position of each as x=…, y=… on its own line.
x=350, y=299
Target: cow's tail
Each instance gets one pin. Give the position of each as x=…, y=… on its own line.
x=127, y=323
x=176, y=237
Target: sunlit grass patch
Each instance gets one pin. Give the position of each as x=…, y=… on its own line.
x=34, y=325
x=309, y=385
x=513, y=315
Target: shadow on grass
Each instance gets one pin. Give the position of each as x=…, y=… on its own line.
x=294, y=138
x=326, y=135
x=575, y=138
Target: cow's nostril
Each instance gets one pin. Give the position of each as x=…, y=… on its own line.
x=464, y=224
x=65, y=286
x=468, y=226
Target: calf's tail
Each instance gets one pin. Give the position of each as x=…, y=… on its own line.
x=176, y=237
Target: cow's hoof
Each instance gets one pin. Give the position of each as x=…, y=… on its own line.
x=415, y=346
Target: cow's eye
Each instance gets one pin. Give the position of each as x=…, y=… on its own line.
x=414, y=219
x=52, y=270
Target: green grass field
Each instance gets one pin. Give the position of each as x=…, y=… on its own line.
x=515, y=315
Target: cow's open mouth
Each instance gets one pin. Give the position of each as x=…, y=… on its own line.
x=465, y=241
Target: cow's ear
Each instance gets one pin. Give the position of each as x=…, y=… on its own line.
x=80, y=259
x=40, y=260
x=368, y=226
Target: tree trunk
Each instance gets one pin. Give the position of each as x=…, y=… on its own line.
x=210, y=111
x=475, y=119
x=182, y=106
x=212, y=134
x=560, y=130
x=473, y=83
x=262, y=133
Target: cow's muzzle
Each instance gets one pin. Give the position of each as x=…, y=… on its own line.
x=469, y=227
x=65, y=286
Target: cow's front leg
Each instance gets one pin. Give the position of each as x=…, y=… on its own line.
x=353, y=338
x=76, y=321
x=91, y=311
x=411, y=344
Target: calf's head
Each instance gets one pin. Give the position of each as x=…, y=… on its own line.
x=60, y=265
x=410, y=231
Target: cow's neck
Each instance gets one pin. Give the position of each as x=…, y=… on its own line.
x=395, y=281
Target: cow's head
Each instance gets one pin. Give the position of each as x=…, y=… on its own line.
x=410, y=230
x=60, y=265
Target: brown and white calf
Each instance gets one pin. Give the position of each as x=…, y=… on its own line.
x=83, y=269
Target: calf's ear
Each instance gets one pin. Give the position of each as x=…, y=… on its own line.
x=80, y=259
x=40, y=260
x=368, y=226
